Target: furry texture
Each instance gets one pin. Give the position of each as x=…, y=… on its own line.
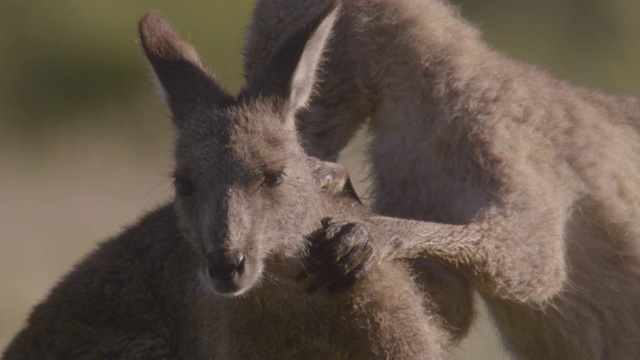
x=169, y=287
x=526, y=184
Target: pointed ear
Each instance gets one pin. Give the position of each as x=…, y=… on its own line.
x=183, y=80
x=290, y=74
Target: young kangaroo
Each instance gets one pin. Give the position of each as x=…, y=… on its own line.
x=526, y=184
x=215, y=277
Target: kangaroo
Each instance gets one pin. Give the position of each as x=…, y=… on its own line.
x=527, y=185
x=213, y=275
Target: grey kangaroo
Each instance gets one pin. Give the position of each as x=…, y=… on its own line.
x=213, y=276
x=527, y=185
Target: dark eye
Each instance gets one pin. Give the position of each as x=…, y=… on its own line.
x=273, y=179
x=183, y=186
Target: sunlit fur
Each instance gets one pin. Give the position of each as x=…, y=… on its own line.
x=531, y=185
x=146, y=294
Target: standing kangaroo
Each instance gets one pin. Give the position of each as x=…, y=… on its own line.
x=527, y=185
x=215, y=277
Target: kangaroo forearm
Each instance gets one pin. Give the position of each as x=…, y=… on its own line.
x=456, y=245
x=496, y=256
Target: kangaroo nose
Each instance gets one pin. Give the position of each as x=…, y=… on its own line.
x=225, y=266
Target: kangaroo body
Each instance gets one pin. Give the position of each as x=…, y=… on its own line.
x=527, y=185
x=213, y=275
x=139, y=296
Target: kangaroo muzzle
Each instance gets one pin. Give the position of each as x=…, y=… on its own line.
x=226, y=271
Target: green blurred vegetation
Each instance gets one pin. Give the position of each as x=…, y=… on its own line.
x=63, y=62
x=588, y=42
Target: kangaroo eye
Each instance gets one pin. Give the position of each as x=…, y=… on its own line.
x=183, y=186
x=273, y=179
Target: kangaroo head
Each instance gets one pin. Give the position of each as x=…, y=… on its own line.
x=243, y=186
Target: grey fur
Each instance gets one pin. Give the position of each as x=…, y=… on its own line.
x=527, y=185
x=243, y=186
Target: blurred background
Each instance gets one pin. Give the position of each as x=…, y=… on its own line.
x=85, y=144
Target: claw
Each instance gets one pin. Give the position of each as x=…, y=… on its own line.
x=332, y=249
x=327, y=221
x=341, y=252
x=338, y=269
x=319, y=259
x=355, y=274
x=349, y=279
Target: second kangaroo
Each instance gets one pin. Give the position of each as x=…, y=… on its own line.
x=527, y=185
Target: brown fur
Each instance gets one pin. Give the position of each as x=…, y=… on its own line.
x=243, y=186
x=530, y=186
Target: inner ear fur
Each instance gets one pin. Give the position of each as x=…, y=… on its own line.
x=183, y=80
x=290, y=74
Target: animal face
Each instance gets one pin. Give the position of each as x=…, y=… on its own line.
x=243, y=187
x=240, y=196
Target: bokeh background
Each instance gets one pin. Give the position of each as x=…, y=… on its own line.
x=85, y=144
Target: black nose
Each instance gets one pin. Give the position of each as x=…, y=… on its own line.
x=224, y=266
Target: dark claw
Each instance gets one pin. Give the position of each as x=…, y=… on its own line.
x=333, y=248
x=319, y=242
x=323, y=258
x=327, y=221
x=341, y=252
x=342, y=238
x=339, y=269
x=349, y=279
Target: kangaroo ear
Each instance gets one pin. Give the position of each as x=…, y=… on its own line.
x=183, y=81
x=290, y=74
